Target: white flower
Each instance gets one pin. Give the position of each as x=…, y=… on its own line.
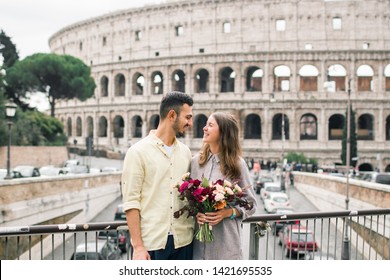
x=185, y=176
x=219, y=197
x=237, y=188
x=229, y=191
x=227, y=183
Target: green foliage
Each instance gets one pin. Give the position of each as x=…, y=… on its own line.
x=299, y=158
x=60, y=76
x=32, y=128
x=9, y=51
x=353, y=139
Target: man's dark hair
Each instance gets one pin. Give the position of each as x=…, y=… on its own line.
x=173, y=101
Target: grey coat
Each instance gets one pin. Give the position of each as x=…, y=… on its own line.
x=227, y=234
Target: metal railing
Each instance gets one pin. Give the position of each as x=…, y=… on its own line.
x=354, y=235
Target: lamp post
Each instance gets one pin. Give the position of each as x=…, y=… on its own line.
x=10, y=110
x=283, y=136
x=346, y=241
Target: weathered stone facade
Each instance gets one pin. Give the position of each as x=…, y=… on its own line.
x=257, y=59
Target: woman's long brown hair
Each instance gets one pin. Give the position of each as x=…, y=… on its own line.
x=229, y=146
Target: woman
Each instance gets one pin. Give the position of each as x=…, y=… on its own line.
x=220, y=158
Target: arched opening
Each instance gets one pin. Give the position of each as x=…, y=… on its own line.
x=104, y=86
x=199, y=123
x=69, y=126
x=308, y=78
x=119, y=126
x=277, y=125
x=178, y=81
x=79, y=127
x=336, y=74
x=365, y=74
x=227, y=79
x=308, y=127
x=138, y=84
x=202, y=81
x=365, y=167
x=120, y=85
x=154, y=121
x=252, y=127
x=102, y=132
x=89, y=127
x=136, y=127
x=157, y=83
x=282, y=75
x=336, y=126
x=254, y=78
x=365, y=127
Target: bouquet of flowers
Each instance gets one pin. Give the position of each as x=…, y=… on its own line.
x=204, y=196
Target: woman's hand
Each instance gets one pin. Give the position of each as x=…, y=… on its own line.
x=214, y=218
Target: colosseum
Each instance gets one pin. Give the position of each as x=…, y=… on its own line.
x=285, y=68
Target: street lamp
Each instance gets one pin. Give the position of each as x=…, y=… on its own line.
x=346, y=241
x=283, y=135
x=10, y=110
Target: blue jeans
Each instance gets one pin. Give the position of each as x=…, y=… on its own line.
x=170, y=253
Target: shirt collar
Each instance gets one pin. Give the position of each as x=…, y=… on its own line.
x=157, y=140
x=214, y=157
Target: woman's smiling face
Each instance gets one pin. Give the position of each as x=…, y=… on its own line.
x=211, y=132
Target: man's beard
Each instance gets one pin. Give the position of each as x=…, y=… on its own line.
x=179, y=134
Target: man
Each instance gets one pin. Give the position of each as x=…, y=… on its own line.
x=152, y=167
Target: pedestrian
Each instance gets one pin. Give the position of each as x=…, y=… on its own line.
x=220, y=158
x=152, y=167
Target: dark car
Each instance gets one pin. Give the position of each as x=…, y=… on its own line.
x=99, y=250
x=118, y=237
x=260, y=183
x=297, y=240
x=278, y=225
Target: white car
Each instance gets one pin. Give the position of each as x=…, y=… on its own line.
x=276, y=200
x=269, y=187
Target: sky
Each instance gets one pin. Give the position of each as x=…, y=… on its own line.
x=30, y=24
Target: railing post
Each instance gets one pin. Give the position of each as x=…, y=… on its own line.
x=253, y=243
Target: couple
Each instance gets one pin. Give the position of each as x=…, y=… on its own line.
x=152, y=168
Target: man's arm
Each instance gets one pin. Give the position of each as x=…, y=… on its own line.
x=134, y=224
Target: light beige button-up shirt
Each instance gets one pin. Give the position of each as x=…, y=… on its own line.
x=148, y=184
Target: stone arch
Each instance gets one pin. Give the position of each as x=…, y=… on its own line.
x=157, y=83
x=138, y=84
x=79, y=127
x=282, y=74
x=365, y=75
x=199, y=123
x=387, y=128
x=335, y=127
x=69, y=126
x=308, y=78
x=366, y=167
x=277, y=124
x=103, y=126
x=308, y=127
x=336, y=75
x=387, y=77
x=254, y=77
x=120, y=85
x=227, y=78
x=136, y=126
x=154, y=121
x=201, y=81
x=252, y=127
x=365, y=127
x=179, y=81
x=90, y=127
x=118, y=127
x=104, y=86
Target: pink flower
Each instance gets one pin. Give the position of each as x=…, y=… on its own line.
x=183, y=186
x=198, y=191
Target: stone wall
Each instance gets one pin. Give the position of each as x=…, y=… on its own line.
x=33, y=155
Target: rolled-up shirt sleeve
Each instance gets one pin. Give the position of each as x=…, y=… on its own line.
x=132, y=180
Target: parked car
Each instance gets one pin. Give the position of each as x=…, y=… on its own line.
x=105, y=251
x=52, y=171
x=25, y=171
x=269, y=187
x=70, y=162
x=260, y=183
x=118, y=237
x=119, y=214
x=297, y=239
x=3, y=173
x=275, y=200
x=109, y=169
x=77, y=169
x=278, y=225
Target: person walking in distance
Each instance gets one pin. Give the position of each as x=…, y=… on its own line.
x=152, y=167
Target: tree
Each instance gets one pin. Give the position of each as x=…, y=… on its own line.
x=353, y=139
x=59, y=76
x=8, y=51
